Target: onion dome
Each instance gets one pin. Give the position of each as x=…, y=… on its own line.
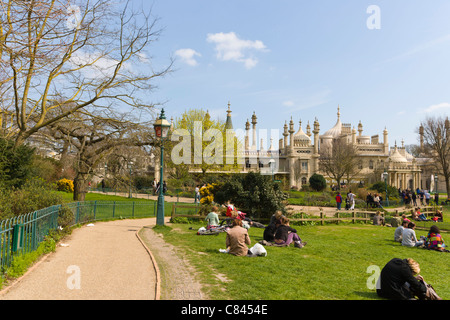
x=301, y=137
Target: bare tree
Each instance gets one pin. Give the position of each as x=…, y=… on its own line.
x=70, y=56
x=93, y=137
x=435, y=144
x=339, y=161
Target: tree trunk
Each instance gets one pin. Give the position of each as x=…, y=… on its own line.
x=447, y=183
x=80, y=186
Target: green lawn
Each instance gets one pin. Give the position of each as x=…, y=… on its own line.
x=332, y=266
x=68, y=197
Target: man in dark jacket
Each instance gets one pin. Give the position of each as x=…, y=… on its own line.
x=400, y=280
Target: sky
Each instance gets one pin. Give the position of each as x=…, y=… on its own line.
x=385, y=63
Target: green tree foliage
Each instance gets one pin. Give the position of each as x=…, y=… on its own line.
x=317, y=182
x=15, y=163
x=380, y=187
x=252, y=193
x=200, y=144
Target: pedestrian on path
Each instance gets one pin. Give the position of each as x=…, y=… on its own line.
x=351, y=199
x=339, y=201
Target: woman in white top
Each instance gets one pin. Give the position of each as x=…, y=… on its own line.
x=409, y=238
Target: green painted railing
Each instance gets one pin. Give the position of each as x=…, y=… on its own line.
x=23, y=234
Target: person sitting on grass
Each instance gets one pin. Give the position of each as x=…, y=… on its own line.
x=378, y=220
x=438, y=217
x=398, y=234
x=400, y=280
x=212, y=218
x=409, y=238
x=237, y=239
x=285, y=235
x=396, y=221
x=434, y=240
x=276, y=217
x=419, y=216
x=270, y=231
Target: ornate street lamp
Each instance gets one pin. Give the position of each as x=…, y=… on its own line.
x=162, y=127
x=385, y=176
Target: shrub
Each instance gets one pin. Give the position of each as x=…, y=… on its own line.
x=65, y=185
x=65, y=217
x=317, y=182
x=36, y=194
x=381, y=188
x=15, y=163
x=253, y=193
x=207, y=194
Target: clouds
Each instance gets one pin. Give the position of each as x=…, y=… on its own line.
x=188, y=56
x=228, y=47
x=436, y=108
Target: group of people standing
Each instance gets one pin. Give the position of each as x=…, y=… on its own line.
x=156, y=185
x=349, y=200
x=418, y=197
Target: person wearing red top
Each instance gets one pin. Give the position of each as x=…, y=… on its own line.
x=339, y=201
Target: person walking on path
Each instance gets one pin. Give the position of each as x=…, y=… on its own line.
x=351, y=198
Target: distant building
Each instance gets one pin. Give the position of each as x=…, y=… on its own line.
x=298, y=154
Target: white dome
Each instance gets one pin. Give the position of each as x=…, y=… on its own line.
x=397, y=157
x=334, y=132
x=302, y=137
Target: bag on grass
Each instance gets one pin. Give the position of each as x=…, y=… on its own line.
x=258, y=250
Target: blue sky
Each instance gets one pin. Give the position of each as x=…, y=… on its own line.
x=304, y=58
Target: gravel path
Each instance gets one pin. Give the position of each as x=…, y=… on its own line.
x=106, y=261
x=178, y=280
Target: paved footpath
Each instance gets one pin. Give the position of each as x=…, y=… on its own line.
x=106, y=261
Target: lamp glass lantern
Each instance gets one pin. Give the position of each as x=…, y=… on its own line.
x=162, y=127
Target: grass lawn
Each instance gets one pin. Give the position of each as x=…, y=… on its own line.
x=332, y=266
x=68, y=197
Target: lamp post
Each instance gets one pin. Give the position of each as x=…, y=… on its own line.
x=436, y=192
x=436, y=182
x=130, y=165
x=385, y=176
x=162, y=127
